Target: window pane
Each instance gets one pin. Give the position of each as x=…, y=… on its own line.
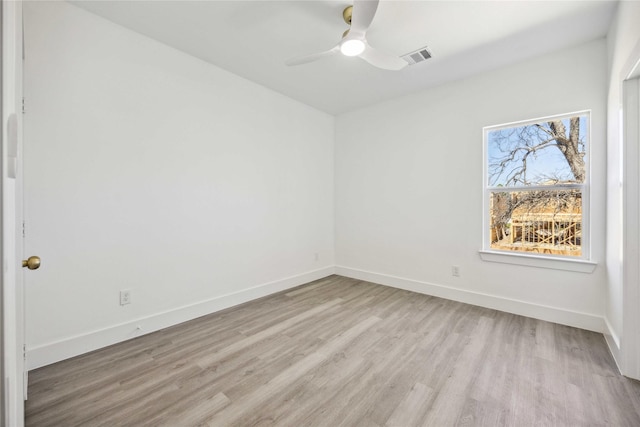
x=546, y=153
x=545, y=222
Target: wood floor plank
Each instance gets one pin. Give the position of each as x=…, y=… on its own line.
x=253, y=398
x=340, y=351
x=262, y=335
x=412, y=407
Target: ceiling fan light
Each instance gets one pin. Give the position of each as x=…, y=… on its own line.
x=352, y=47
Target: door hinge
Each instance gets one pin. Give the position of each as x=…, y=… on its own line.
x=24, y=108
x=23, y=229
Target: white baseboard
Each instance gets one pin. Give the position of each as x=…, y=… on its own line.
x=74, y=346
x=613, y=342
x=562, y=316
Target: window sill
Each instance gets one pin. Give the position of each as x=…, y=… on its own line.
x=577, y=265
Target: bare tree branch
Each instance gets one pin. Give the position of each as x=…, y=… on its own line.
x=518, y=144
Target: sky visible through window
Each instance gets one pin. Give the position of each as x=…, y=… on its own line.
x=544, y=163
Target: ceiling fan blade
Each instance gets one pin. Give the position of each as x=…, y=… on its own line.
x=313, y=57
x=362, y=15
x=382, y=60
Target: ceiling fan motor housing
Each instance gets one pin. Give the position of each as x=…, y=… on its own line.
x=346, y=14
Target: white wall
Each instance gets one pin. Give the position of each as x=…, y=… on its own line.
x=409, y=187
x=147, y=169
x=623, y=37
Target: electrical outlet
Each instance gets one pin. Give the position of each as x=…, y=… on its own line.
x=455, y=271
x=125, y=297
x=317, y=256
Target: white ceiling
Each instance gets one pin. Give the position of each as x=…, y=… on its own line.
x=253, y=39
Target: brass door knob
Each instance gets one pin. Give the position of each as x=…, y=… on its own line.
x=32, y=263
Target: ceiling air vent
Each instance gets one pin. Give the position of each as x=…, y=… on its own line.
x=419, y=55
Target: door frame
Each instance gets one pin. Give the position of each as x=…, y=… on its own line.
x=13, y=338
x=630, y=128
x=631, y=226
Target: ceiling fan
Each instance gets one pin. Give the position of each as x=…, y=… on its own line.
x=354, y=41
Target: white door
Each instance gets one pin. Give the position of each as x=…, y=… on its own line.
x=13, y=366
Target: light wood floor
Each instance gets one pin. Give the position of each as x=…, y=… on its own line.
x=343, y=352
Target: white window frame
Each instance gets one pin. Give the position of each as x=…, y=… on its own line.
x=582, y=263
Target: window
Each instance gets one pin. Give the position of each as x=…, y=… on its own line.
x=536, y=187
